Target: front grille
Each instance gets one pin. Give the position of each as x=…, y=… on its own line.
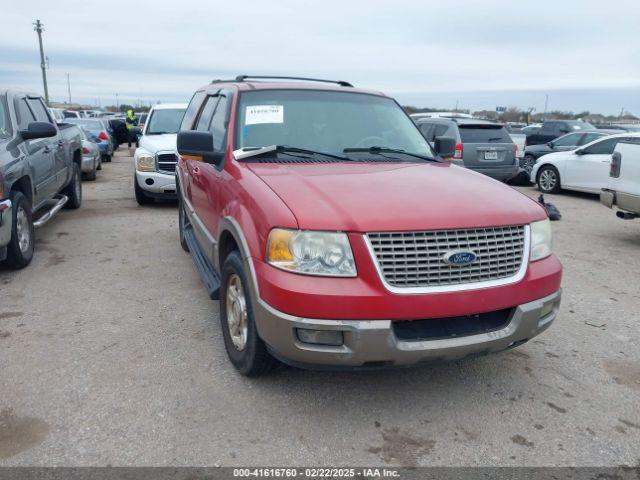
x=416, y=259
x=167, y=162
x=452, y=327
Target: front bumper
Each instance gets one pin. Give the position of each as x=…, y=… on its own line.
x=157, y=185
x=373, y=343
x=6, y=220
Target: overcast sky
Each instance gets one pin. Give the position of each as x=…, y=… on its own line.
x=585, y=54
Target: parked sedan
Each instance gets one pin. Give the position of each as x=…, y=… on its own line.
x=570, y=141
x=97, y=128
x=91, y=157
x=585, y=169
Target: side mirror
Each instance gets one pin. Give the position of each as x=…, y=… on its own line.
x=579, y=151
x=198, y=146
x=39, y=130
x=550, y=144
x=445, y=146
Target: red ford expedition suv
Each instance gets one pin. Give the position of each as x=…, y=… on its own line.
x=335, y=236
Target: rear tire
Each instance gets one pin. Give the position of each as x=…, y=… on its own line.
x=107, y=158
x=548, y=179
x=246, y=350
x=20, y=247
x=141, y=197
x=91, y=176
x=99, y=164
x=73, y=191
x=183, y=222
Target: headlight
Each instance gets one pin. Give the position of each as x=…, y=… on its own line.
x=540, y=239
x=311, y=253
x=145, y=163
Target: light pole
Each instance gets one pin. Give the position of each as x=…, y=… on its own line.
x=69, y=88
x=39, y=27
x=117, y=104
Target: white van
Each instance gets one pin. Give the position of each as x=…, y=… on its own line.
x=623, y=188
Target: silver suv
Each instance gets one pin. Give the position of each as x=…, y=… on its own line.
x=485, y=147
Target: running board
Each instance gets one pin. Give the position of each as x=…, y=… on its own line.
x=48, y=215
x=207, y=273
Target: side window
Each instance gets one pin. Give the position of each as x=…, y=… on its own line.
x=39, y=110
x=192, y=111
x=219, y=124
x=568, y=140
x=439, y=131
x=25, y=117
x=605, y=147
x=589, y=137
x=207, y=113
x=562, y=128
x=427, y=130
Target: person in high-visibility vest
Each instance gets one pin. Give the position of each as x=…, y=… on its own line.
x=132, y=121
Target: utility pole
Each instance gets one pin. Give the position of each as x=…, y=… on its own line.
x=39, y=27
x=117, y=104
x=69, y=88
x=546, y=104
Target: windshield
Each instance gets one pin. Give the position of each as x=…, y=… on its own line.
x=165, y=121
x=325, y=121
x=5, y=125
x=91, y=125
x=581, y=126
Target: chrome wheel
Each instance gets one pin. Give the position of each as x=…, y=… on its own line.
x=548, y=180
x=23, y=230
x=528, y=163
x=236, y=312
x=76, y=185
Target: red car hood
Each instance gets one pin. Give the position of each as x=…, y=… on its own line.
x=366, y=197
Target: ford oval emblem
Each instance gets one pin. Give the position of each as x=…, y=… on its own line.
x=460, y=258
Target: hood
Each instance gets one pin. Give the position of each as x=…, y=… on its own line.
x=155, y=143
x=366, y=197
x=538, y=148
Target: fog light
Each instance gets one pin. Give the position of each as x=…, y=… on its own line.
x=547, y=309
x=320, y=337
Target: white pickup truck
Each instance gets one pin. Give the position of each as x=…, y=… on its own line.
x=155, y=159
x=623, y=188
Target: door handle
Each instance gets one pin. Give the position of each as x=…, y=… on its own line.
x=47, y=150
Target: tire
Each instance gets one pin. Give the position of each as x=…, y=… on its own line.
x=107, y=158
x=246, y=350
x=19, y=253
x=74, y=190
x=548, y=179
x=91, y=176
x=528, y=163
x=99, y=164
x=141, y=197
x=183, y=221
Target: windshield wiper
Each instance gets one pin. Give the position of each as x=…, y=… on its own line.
x=382, y=150
x=243, y=153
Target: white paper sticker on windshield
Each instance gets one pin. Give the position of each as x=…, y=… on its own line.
x=256, y=114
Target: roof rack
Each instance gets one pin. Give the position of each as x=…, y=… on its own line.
x=242, y=78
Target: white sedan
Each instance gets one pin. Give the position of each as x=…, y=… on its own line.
x=585, y=169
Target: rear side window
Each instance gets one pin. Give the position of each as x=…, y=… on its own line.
x=25, y=117
x=219, y=124
x=192, y=111
x=207, y=113
x=590, y=137
x=427, y=130
x=568, y=140
x=5, y=123
x=483, y=134
x=39, y=110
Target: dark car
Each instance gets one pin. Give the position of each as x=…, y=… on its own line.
x=569, y=141
x=483, y=146
x=552, y=129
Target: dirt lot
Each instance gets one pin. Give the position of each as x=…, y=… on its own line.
x=111, y=353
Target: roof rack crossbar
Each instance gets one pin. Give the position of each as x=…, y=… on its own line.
x=242, y=78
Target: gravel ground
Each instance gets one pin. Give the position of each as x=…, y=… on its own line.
x=111, y=354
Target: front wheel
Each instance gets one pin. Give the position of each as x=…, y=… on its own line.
x=528, y=162
x=74, y=190
x=548, y=179
x=141, y=197
x=245, y=348
x=183, y=222
x=20, y=248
